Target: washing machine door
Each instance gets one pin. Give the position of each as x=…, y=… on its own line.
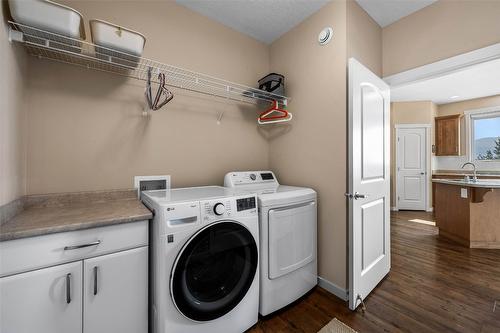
x=214, y=271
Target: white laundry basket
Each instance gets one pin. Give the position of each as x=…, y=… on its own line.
x=43, y=19
x=123, y=45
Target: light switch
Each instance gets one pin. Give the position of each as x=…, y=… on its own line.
x=463, y=193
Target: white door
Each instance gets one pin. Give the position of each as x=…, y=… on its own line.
x=411, y=165
x=47, y=300
x=116, y=292
x=369, y=182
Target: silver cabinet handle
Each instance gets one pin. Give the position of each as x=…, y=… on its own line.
x=74, y=247
x=95, y=280
x=68, y=288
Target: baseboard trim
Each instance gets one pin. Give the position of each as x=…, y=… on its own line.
x=332, y=288
x=430, y=209
x=394, y=209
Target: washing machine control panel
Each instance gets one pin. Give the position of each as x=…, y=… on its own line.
x=219, y=209
x=216, y=209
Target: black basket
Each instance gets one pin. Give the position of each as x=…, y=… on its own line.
x=273, y=83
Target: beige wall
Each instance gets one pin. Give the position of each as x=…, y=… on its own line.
x=471, y=104
x=12, y=117
x=364, y=38
x=422, y=112
x=311, y=151
x=439, y=31
x=86, y=129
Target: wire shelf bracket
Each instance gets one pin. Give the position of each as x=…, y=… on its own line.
x=52, y=46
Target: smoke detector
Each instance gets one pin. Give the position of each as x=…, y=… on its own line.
x=325, y=36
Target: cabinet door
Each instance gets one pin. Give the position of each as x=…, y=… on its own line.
x=47, y=300
x=116, y=292
x=448, y=135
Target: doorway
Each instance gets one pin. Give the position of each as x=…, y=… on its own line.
x=412, y=166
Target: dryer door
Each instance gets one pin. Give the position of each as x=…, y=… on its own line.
x=292, y=238
x=214, y=271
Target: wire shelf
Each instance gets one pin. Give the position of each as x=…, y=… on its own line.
x=48, y=45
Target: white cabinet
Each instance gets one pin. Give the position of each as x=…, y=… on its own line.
x=103, y=289
x=47, y=300
x=116, y=292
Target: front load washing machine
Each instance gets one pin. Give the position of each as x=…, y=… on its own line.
x=288, y=232
x=205, y=256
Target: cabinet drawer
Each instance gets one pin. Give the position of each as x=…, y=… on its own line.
x=26, y=254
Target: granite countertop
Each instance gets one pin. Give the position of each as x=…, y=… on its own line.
x=461, y=173
x=484, y=183
x=48, y=214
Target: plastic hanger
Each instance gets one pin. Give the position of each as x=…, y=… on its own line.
x=282, y=116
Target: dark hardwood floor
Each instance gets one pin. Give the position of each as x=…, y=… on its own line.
x=434, y=286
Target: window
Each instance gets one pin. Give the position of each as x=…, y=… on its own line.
x=485, y=135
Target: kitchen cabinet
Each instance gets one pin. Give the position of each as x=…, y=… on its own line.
x=448, y=135
x=116, y=292
x=47, y=300
x=104, y=287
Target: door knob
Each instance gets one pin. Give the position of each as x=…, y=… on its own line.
x=359, y=196
x=356, y=195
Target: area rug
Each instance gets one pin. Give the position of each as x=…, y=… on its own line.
x=336, y=326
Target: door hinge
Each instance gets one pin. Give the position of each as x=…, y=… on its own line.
x=398, y=198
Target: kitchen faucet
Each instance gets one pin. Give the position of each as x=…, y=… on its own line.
x=474, y=180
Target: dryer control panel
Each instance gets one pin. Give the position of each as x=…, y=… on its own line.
x=237, y=178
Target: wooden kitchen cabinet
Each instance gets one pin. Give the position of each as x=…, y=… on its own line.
x=448, y=135
x=46, y=300
x=116, y=292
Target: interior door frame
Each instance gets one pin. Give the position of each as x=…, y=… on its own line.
x=427, y=128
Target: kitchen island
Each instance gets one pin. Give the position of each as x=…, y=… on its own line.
x=468, y=212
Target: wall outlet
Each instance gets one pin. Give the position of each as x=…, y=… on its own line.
x=463, y=193
x=145, y=183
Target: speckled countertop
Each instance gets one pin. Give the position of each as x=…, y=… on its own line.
x=461, y=173
x=484, y=183
x=47, y=214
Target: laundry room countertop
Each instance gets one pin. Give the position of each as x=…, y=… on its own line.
x=53, y=213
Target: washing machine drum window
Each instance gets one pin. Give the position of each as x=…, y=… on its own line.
x=214, y=271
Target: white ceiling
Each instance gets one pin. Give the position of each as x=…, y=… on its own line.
x=264, y=20
x=385, y=12
x=473, y=82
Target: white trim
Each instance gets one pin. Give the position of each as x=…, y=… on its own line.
x=332, y=288
x=469, y=130
x=428, y=158
x=394, y=209
x=430, y=209
x=443, y=67
x=490, y=109
x=412, y=126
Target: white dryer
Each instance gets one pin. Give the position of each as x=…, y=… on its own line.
x=288, y=237
x=205, y=275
